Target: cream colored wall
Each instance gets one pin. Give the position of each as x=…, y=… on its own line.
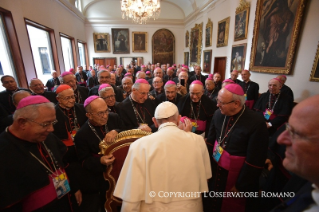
x=304, y=57
x=52, y=14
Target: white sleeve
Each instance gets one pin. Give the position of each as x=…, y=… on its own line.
x=130, y=206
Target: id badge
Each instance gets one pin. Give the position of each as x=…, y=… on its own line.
x=217, y=153
x=61, y=185
x=245, y=97
x=267, y=114
x=194, y=127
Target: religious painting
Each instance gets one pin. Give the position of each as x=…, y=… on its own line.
x=209, y=33
x=101, y=42
x=163, y=47
x=186, y=58
x=139, y=42
x=207, y=61
x=314, y=76
x=120, y=41
x=196, y=44
x=241, y=20
x=238, y=55
x=187, y=39
x=276, y=32
x=222, y=32
x=45, y=61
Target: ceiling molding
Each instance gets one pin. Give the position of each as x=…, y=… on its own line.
x=181, y=9
x=91, y=21
x=198, y=11
x=72, y=9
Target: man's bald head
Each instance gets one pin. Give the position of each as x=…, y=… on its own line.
x=17, y=96
x=274, y=86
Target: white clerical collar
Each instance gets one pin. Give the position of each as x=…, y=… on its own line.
x=166, y=124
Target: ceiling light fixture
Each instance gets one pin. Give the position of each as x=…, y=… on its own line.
x=140, y=10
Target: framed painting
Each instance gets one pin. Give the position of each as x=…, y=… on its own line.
x=187, y=39
x=314, y=76
x=163, y=47
x=207, y=61
x=274, y=44
x=196, y=44
x=101, y=42
x=139, y=42
x=238, y=55
x=241, y=20
x=186, y=58
x=222, y=32
x=208, y=33
x=120, y=41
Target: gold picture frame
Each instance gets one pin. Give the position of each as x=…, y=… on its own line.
x=274, y=46
x=186, y=58
x=209, y=33
x=314, y=76
x=195, y=48
x=101, y=42
x=222, y=32
x=187, y=39
x=139, y=41
x=241, y=20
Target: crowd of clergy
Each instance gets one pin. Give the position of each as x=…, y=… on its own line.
x=54, y=130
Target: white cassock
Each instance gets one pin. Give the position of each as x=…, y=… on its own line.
x=170, y=160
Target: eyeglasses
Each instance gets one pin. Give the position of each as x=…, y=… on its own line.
x=142, y=93
x=44, y=125
x=223, y=103
x=294, y=135
x=108, y=97
x=68, y=98
x=102, y=113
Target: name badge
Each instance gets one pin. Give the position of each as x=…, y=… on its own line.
x=217, y=153
x=267, y=114
x=61, y=185
x=245, y=97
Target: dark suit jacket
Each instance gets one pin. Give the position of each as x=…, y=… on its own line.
x=50, y=84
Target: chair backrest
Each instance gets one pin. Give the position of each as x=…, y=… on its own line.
x=119, y=148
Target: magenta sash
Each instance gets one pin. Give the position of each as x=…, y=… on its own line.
x=201, y=125
x=233, y=165
x=271, y=117
x=250, y=103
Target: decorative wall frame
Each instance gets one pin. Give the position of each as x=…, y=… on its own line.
x=186, y=58
x=163, y=47
x=208, y=33
x=196, y=44
x=120, y=41
x=187, y=39
x=139, y=41
x=207, y=61
x=238, y=57
x=274, y=45
x=222, y=32
x=314, y=76
x=241, y=20
x=101, y=42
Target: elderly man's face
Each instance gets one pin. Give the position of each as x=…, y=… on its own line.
x=36, y=132
x=113, y=79
x=183, y=75
x=92, y=73
x=274, y=86
x=80, y=69
x=157, y=83
x=171, y=93
x=99, y=112
x=225, y=102
x=130, y=71
x=170, y=72
x=37, y=86
x=158, y=73
x=198, y=70
x=152, y=67
x=105, y=77
x=9, y=83
x=196, y=92
x=140, y=95
x=234, y=75
x=109, y=97
x=66, y=98
x=141, y=75
x=164, y=67
x=127, y=85
x=217, y=77
x=210, y=85
x=245, y=75
x=70, y=80
x=54, y=74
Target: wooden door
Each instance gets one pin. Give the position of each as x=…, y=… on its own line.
x=111, y=61
x=220, y=66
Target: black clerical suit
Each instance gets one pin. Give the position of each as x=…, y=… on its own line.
x=51, y=96
x=6, y=100
x=51, y=83
x=201, y=78
x=251, y=89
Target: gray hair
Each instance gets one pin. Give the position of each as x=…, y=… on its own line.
x=31, y=111
x=139, y=73
x=33, y=80
x=170, y=85
x=102, y=71
x=14, y=101
x=105, y=89
x=239, y=98
x=67, y=75
x=125, y=78
x=136, y=86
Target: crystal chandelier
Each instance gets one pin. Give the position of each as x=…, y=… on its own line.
x=140, y=10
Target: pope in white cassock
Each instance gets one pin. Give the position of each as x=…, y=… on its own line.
x=169, y=160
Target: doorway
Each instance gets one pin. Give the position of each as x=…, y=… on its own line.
x=220, y=66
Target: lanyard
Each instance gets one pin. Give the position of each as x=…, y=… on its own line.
x=247, y=88
x=211, y=94
x=136, y=112
x=75, y=119
x=220, y=136
x=274, y=103
x=194, y=112
x=94, y=131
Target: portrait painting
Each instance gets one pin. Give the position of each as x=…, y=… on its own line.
x=186, y=58
x=120, y=41
x=314, y=76
x=238, y=55
x=139, y=41
x=222, y=32
x=196, y=44
x=163, y=47
x=187, y=39
x=207, y=61
x=241, y=21
x=276, y=32
x=208, y=33
x=101, y=42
